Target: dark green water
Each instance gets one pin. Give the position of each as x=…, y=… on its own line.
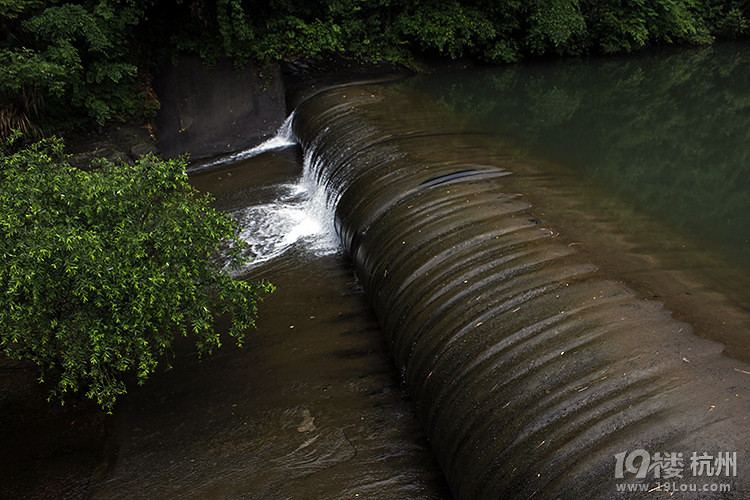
x=641, y=162
x=668, y=132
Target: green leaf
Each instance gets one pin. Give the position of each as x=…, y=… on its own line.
x=101, y=268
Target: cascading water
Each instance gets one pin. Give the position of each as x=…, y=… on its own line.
x=531, y=371
x=299, y=215
x=311, y=408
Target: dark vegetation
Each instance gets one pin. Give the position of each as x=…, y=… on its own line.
x=84, y=62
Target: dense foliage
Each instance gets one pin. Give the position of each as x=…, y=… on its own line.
x=67, y=62
x=100, y=270
x=84, y=61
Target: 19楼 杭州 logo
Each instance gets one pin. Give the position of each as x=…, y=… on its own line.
x=673, y=464
x=669, y=468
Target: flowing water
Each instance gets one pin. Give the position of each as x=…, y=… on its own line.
x=543, y=314
x=311, y=408
x=644, y=158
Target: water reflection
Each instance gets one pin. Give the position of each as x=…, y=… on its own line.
x=669, y=131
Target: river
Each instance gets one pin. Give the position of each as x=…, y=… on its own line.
x=645, y=157
x=489, y=281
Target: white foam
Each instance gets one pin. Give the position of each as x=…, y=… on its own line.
x=301, y=217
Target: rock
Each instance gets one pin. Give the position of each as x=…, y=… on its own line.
x=212, y=111
x=142, y=149
x=117, y=142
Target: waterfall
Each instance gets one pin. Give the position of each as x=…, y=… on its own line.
x=530, y=371
x=299, y=217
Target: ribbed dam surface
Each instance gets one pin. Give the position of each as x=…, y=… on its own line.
x=531, y=371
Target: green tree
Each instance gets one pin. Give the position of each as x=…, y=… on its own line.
x=101, y=269
x=67, y=64
x=447, y=27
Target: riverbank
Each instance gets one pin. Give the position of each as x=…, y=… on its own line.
x=207, y=111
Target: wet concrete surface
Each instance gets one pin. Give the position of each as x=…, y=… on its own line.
x=531, y=366
x=707, y=290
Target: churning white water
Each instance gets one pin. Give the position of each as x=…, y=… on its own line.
x=300, y=217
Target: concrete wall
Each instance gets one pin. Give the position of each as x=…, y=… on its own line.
x=211, y=111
